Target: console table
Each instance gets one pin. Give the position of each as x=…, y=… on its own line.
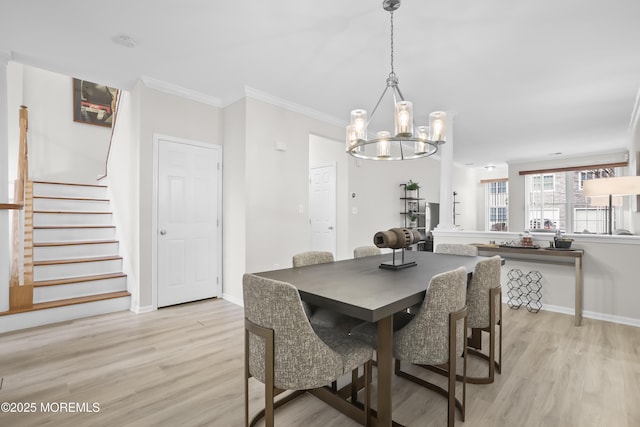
x=541, y=255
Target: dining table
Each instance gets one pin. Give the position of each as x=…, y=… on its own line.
x=361, y=289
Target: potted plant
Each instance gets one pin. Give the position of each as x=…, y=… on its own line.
x=412, y=188
x=413, y=221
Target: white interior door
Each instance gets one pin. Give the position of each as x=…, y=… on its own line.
x=188, y=266
x=322, y=208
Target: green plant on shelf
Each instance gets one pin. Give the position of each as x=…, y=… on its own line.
x=412, y=185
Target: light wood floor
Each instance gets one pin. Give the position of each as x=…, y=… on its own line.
x=182, y=366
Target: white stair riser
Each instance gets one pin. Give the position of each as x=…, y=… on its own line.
x=48, y=253
x=77, y=269
x=41, y=219
x=71, y=205
x=75, y=290
x=62, y=190
x=49, y=235
x=30, y=319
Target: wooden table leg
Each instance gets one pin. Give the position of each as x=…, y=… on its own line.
x=579, y=297
x=385, y=371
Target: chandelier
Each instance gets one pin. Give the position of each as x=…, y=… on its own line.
x=408, y=140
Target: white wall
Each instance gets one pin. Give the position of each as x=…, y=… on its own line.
x=376, y=185
x=123, y=181
x=278, y=183
x=60, y=149
x=163, y=113
x=14, y=101
x=465, y=183
x=234, y=178
x=4, y=194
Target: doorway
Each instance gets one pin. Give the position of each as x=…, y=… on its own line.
x=187, y=220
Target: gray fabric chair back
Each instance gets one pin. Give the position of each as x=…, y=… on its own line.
x=425, y=339
x=486, y=276
x=456, y=249
x=312, y=257
x=302, y=359
x=362, y=251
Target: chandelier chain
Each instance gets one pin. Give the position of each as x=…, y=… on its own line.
x=392, y=70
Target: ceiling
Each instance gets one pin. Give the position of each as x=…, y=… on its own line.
x=524, y=79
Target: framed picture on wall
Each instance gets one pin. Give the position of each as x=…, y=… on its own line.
x=93, y=103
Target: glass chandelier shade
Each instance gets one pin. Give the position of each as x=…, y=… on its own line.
x=408, y=140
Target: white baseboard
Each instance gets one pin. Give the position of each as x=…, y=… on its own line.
x=588, y=314
x=231, y=298
x=143, y=309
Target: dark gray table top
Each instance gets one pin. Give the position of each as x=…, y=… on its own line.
x=359, y=288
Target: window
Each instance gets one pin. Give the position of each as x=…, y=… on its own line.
x=497, y=215
x=547, y=180
x=555, y=202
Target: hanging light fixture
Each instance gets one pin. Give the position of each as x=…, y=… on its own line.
x=407, y=141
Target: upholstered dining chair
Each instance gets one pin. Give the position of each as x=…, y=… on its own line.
x=435, y=336
x=363, y=251
x=456, y=249
x=484, y=314
x=284, y=352
x=317, y=315
x=311, y=257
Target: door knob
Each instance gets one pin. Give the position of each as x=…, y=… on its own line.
x=163, y=232
x=330, y=228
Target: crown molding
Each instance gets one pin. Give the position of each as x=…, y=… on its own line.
x=5, y=56
x=259, y=95
x=181, y=91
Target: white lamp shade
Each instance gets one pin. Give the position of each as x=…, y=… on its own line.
x=404, y=118
x=359, y=123
x=383, y=144
x=604, y=201
x=422, y=132
x=438, y=126
x=616, y=186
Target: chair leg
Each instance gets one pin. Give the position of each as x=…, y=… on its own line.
x=354, y=385
x=499, y=364
x=269, y=373
x=453, y=355
x=367, y=393
x=246, y=377
x=495, y=305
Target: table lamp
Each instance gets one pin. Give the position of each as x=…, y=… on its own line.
x=611, y=187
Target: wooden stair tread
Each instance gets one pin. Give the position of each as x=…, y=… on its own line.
x=69, y=183
x=73, y=243
x=49, y=227
x=70, y=301
x=83, y=199
x=73, y=212
x=81, y=279
x=77, y=260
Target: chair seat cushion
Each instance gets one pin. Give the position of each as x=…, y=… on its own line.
x=330, y=319
x=352, y=351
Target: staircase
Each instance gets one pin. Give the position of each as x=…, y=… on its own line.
x=71, y=255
